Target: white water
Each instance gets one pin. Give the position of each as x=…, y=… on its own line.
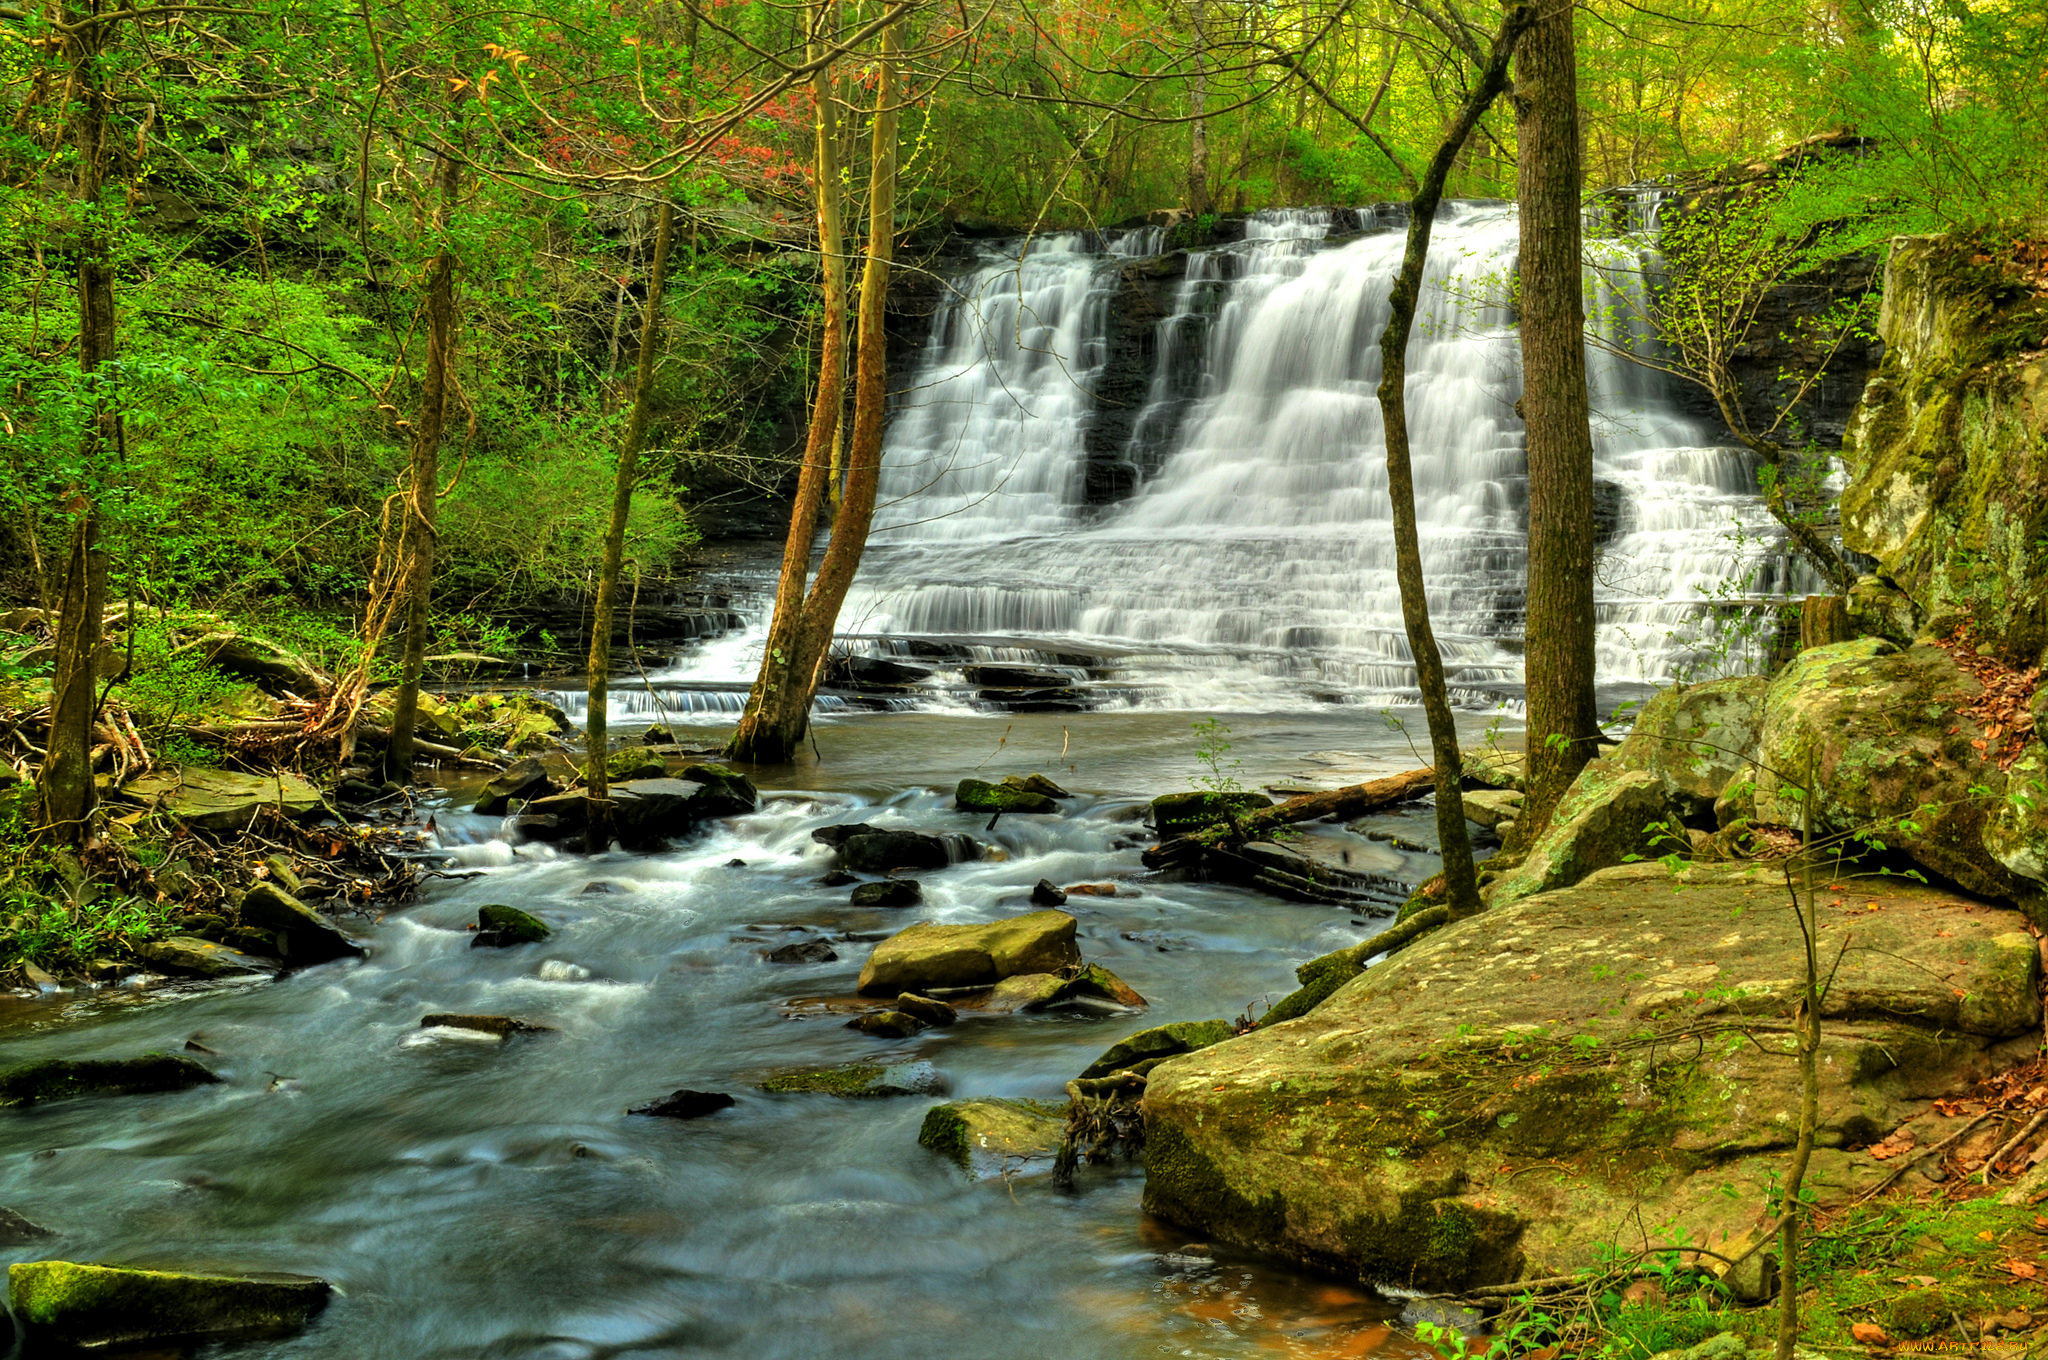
x=1253, y=568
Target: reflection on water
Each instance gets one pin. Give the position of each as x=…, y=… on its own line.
x=476, y=1198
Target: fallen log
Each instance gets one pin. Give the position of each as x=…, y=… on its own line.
x=1353, y=800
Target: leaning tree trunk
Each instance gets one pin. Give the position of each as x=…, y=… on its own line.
x=1563, y=720
x=598, y=836
x=1461, y=884
x=67, y=791
x=424, y=478
x=779, y=709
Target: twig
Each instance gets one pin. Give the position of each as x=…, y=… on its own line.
x=2036, y=1122
x=1915, y=1159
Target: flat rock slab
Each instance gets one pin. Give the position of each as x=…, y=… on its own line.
x=63, y=1078
x=190, y=956
x=223, y=800
x=1517, y=1090
x=857, y=1081
x=927, y=955
x=89, y=1306
x=995, y=1137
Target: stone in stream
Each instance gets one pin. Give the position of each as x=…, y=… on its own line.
x=928, y=955
x=992, y=1137
x=872, y=672
x=522, y=780
x=870, y=850
x=1014, y=677
x=193, y=957
x=63, y=1305
x=498, y=1026
x=924, y=1008
x=837, y=878
x=887, y=1024
x=63, y=1078
x=303, y=935
x=1034, y=783
x=1148, y=1048
x=805, y=951
x=1176, y=814
x=978, y=795
x=605, y=887
x=686, y=1104
x=1046, y=893
x=1037, y=991
x=647, y=812
x=498, y=925
x=633, y=763
x=894, y=892
x=857, y=1081
x=16, y=1231
x=223, y=800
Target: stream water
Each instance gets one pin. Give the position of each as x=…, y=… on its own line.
x=475, y=1198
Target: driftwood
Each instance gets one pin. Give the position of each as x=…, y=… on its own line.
x=1353, y=800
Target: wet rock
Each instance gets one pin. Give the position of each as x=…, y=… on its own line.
x=63, y=1078
x=502, y=1026
x=978, y=795
x=657, y=735
x=1147, y=1048
x=354, y=791
x=870, y=851
x=16, y=1231
x=223, y=800
x=648, y=812
x=837, y=878
x=886, y=1024
x=894, y=892
x=304, y=936
x=935, y=1013
x=66, y=1305
x=1034, y=783
x=927, y=955
x=524, y=779
x=686, y=1104
x=857, y=1081
x=872, y=672
x=498, y=925
x=540, y=827
x=631, y=763
x=1014, y=677
x=604, y=887
x=1095, y=980
x=191, y=956
x=995, y=1137
x=1046, y=893
x=806, y=951
x=1176, y=814
x=1026, y=992
x=1092, y=890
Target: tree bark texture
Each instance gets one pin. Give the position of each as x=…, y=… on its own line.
x=598, y=823
x=1199, y=202
x=778, y=712
x=1461, y=883
x=423, y=476
x=1563, y=722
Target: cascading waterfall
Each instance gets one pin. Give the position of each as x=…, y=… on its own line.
x=1252, y=567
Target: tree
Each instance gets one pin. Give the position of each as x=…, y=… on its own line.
x=778, y=711
x=1461, y=887
x=1564, y=721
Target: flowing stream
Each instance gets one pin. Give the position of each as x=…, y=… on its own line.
x=475, y=1198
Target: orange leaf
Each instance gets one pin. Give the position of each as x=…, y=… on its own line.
x=2021, y=1270
x=1869, y=1334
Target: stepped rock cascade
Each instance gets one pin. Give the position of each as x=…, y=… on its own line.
x=1245, y=558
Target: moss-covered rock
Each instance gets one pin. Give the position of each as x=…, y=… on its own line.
x=1608, y=816
x=1176, y=814
x=1492, y=808
x=303, y=936
x=1496, y=1098
x=498, y=925
x=63, y=1078
x=1319, y=978
x=1697, y=738
x=857, y=1081
x=524, y=779
x=67, y=1305
x=190, y=956
x=890, y=892
x=1157, y=1044
x=928, y=955
x=222, y=800
x=978, y=795
x=1034, y=783
x=995, y=1137
x=634, y=762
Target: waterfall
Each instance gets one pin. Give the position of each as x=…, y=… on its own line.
x=1247, y=561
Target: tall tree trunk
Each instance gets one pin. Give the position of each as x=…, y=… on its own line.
x=1199, y=202
x=598, y=836
x=1558, y=657
x=67, y=791
x=1461, y=883
x=423, y=476
x=779, y=708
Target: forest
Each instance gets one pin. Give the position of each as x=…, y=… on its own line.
x=1059, y=677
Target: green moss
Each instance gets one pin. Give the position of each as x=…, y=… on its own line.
x=1434, y=1241
x=1319, y=978
x=1183, y=1186
x=92, y=1305
x=978, y=795
x=1159, y=1042
x=851, y=1080
x=518, y=926
x=1176, y=814
x=63, y=1078
x=944, y=1131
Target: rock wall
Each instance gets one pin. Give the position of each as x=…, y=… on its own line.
x=1948, y=454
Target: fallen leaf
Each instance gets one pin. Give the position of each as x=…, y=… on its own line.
x=1922, y=1281
x=2021, y=1270
x=1869, y=1334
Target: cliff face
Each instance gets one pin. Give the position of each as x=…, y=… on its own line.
x=1948, y=452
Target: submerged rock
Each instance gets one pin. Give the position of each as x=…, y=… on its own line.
x=223, y=800
x=993, y=1137
x=502, y=1026
x=927, y=955
x=193, y=957
x=686, y=1104
x=887, y=1024
x=804, y=951
x=16, y=1231
x=304, y=936
x=62, y=1304
x=978, y=795
x=498, y=925
x=63, y=1078
x=857, y=1081
x=1557, y=1040
x=524, y=779
x=1176, y=814
x=892, y=892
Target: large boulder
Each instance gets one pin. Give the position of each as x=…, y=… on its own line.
x=1508, y=1096
x=1697, y=738
x=1877, y=731
x=877, y=850
x=978, y=795
x=928, y=955
x=190, y=956
x=67, y=1306
x=1608, y=816
x=303, y=935
x=223, y=800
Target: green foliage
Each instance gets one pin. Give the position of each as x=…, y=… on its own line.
x=1212, y=749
